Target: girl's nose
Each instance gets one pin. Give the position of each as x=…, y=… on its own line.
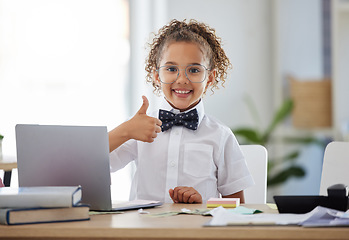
x=182, y=77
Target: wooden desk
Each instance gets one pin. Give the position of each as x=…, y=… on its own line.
x=7, y=164
x=132, y=225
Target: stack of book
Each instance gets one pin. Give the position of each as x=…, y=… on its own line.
x=27, y=205
x=224, y=202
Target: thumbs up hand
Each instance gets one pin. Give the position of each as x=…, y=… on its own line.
x=140, y=127
x=143, y=127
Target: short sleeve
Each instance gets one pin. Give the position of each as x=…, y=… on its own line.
x=123, y=155
x=233, y=174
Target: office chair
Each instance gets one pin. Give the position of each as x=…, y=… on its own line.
x=257, y=160
x=335, y=166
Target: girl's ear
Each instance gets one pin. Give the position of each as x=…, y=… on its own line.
x=156, y=77
x=211, y=78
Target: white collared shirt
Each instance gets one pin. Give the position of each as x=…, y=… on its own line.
x=208, y=159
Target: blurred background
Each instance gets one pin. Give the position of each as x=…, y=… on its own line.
x=81, y=62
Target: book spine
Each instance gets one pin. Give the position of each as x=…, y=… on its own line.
x=43, y=215
x=35, y=201
x=41, y=200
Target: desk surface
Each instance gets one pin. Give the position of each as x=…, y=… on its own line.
x=8, y=166
x=8, y=163
x=132, y=225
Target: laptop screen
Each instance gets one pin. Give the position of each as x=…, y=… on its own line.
x=54, y=155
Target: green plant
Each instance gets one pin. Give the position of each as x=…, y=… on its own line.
x=249, y=135
x=1, y=137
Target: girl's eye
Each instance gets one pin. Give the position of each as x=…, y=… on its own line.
x=194, y=70
x=172, y=69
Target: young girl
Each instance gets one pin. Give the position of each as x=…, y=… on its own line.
x=182, y=154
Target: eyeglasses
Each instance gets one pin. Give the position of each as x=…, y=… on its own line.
x=195, y=73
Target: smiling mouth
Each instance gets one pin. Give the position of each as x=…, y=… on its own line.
x=182, y=91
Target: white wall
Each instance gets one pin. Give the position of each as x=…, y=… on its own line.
x=300, y=36
x=299, y=53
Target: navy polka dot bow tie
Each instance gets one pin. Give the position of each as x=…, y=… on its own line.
x=189, y=120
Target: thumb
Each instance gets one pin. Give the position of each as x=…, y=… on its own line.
x=170, y=192
x=144, y=107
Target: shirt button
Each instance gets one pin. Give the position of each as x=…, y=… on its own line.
x=172, y=164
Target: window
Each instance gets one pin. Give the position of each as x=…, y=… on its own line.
x=62, y=62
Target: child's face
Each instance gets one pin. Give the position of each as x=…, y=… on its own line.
x=184, y=94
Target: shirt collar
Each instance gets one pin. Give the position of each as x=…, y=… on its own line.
x=199, y=107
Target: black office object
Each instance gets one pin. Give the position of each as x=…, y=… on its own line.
x=337, y=199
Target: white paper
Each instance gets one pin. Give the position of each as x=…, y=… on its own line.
x=320, y=216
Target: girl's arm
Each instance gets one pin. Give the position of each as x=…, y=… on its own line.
x=237, y=195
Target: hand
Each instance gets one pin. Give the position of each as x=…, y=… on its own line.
x=143, y=127
x=185, y=195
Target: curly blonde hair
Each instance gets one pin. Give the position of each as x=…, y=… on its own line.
x=193, y=31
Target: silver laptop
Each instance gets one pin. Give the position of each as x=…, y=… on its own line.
x=54, y=155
